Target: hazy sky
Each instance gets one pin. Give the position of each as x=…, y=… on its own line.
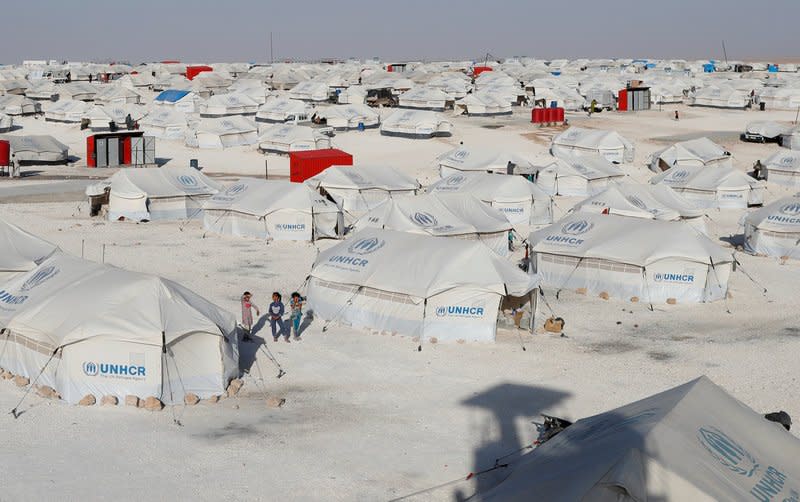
x=238, y=30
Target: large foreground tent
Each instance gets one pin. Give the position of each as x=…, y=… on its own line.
x=694, y=442
x=650, y=202
x=37, y=149
x=164, y=193
x=580, y=141
x=701, y=152
x=774, y=230
x=416, y=285
x=416, y=124
x=522, y=202
x=713, y=187
x=270, y=209
x=485, y=160
x=442, y=215
x=629, y=258
x=22, y=251
x=358, y=189
x=576, y=175
x=100, y=330
x=783, y=168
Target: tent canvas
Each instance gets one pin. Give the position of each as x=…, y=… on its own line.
x=576, y=175
x=774, y=230
x=482, y=160
x=580, y=141
x=783, y=168
x=713, y=187
x=108, y=331
x=700, y=152
x=361, y=282
x=37, y=149
x=22, y=251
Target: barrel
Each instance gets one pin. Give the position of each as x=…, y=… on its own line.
x=194, y=164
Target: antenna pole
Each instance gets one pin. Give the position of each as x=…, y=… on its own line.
x=271, y=59
x=724, y=52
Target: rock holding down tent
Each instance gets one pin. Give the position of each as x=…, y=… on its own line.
x=671, y=301
x=109, y=401
x=131, y=401
x=634, y=299
x=87, y=400
x=153, y=404
x=604, y=295
x=554, y=325
x=47, y=392
x=275, y=402
x=581, y=291
x=21, y=381
x=7, y=375
x=212, y=399
x=191, y=399
x=234, y=386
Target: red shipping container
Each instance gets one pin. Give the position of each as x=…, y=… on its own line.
x=91, y=159
x=537, y=115
x=560, y=115
x=308, y=163
x=477, y=70
x=193, y=71
x=5, y=153
x=550, y=115
x=622, y=100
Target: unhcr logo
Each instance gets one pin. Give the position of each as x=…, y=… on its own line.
x=236, y=189
x=424, y=219
x=366, y=246
x=460, y=311
x=461, y=154
x=636, y=201
x=577, y=227
x=679, y=175
x=227, y=124
x=727, y=451
x=187, y=181
x=41, y=275
x=791, y=209
x=455, y=180
x=90, y=368
x=668, y=277
x=787, y=161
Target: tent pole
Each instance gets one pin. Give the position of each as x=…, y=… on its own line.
x=424, y=317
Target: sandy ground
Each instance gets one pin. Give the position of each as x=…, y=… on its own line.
x=367, y=417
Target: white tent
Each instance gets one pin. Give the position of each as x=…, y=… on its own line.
x=366, y=281
x=79, y=91
x=44, y=90
x=417, y=124
x=285, y=138
x=576, y=175
x=224, y=105
x=765, y=130
x=222, y=133
x=270, y=209
x=358, y=189
x=791, y=139
x=783, y=168
x=6, y=122
x=694, y=442
x=487, y=160
x=37, y=149
x=580, y=141
x=425, y=98
x=523, y=203
x=700, y=152
x=66, y=110
x=284, y=110
x=13, y=104
x=22, y=251
x=483, y=103
x=722, y=187
x=310, y=90
x=101, y=115
x=631, y=257
x=165, y=123
x=100, y=330
x=722, y=96
x=164, y=193
x=181, y=100
x=441, y=215
x=353, y=95
x=774, y=230
x=345, y=117
x=118, y=95
x=650, y=202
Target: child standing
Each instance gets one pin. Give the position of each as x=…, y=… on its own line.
x=247, y=315
x=296, y=313
x=276, y=311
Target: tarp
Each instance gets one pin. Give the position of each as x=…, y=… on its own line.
x=171, y=95
x=693, y=442
x=110, y=325
x=271, y=209
x=521, y=201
